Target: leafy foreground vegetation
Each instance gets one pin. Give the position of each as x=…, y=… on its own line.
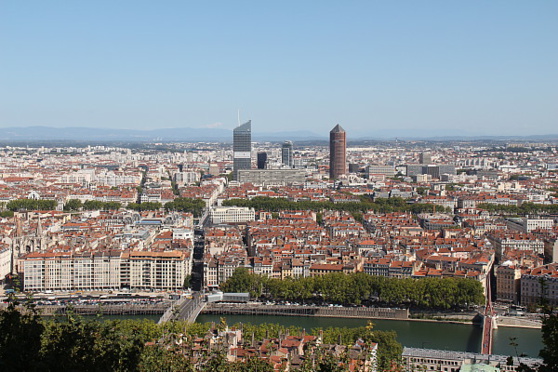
x=431, y=293
x=31, y=343
x=549, y=353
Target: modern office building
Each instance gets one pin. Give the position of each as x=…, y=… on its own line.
x=435, y=171
x=287, y=154
x=262, y=160
x=386, y=170
x=267, y=177
x=425, y=158
x=242, y=147
x=337, y=152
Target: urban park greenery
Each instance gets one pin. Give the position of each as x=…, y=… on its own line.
x=520, y=210
x=145, y=206
x=356, y=288
x=365, y=204
x=194, y=206
x=31, y=205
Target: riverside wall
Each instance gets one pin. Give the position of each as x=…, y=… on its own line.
x=135, y=309
x=331, y=312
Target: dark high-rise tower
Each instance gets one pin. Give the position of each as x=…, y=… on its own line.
x=287, y=154
x=337, y=152
x=262, y=160
x=242, y=147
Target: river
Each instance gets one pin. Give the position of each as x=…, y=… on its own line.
x=431, y=335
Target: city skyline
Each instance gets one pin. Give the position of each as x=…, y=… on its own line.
x=441, y=227
x=381, y=69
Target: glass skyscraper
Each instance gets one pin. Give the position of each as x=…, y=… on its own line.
x=287, y=154
x=242, y=147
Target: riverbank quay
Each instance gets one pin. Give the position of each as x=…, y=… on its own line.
x=98, y=309
x=534, y=322
x=364, y=313
x=94, y=303
x=318, y=311
x=156, y=309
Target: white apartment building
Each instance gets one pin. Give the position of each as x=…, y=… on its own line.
x=518, y=241
x=183, y=234
x=57, y=271
x=210, y=276
x=82, y=176
x=158, y=270
x=5, y=261
x=186, y=178
x=529, y=224
x=117, y=178
x=232, y=215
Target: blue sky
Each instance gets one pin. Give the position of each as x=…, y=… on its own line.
x=433, y=67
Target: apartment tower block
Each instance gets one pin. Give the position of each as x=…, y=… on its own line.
x=337, y=152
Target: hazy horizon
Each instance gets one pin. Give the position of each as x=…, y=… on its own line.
x=433, y=68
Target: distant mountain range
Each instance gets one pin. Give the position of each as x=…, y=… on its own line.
x=83, y=134
x=41, y=133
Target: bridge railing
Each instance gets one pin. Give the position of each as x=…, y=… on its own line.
x=168, y=314
x=184, y=309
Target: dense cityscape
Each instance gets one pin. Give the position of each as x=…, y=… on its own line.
x=466, y=226
x=278, y=186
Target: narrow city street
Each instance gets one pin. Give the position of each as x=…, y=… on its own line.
x=197, y=270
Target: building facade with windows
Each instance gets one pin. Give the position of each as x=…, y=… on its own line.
x=232, y=215
x=337, y=152
x=287, y=154
x=110, y=270
x=242, y=147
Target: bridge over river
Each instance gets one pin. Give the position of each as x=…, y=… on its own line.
x=489, y=322
x=186, y=308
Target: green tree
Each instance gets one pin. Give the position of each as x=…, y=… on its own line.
x=187, y=281
x=93, y=205
x=157, y=358
x=549, y=353
x=20, y=339
x=112, y=206
x=194, y=206
x=73, y=205
x=31, y=205
x=243, y=281
x=422, y=190
x=146, y=206
x=6, y=214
